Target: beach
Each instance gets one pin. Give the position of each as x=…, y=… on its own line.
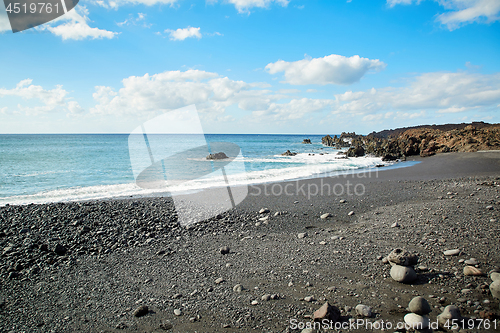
x=88, y=266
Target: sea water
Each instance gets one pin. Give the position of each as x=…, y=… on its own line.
x=69, y=167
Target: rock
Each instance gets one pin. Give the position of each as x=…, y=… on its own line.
x=308, y=330
x=420, y=306
x=471, y=261
x=224, y=250
x=60, y=250
x=141, y=311
x=403, y=274
x=472, y=271
x=302, y=235
x=416, y=321
x=454, y=252
x=255, y=302
x=178, y=312
x=166, y=326
x=495, y=289
x=489, y=207
x=449, y=313
x=363, y=310
x=238, y=288
x=307, y=141
x=219, y=281
x=389, y=157
x=356, y=151
x=288, y=153
x=264, y=211
x=326, y=215
x=495, y=276
x=402, y=257
x=395, y=225
x=308, y=298
x=351, y=213
x=327, y=311
x=343, y=201
x=217, y=156
x=266, y=297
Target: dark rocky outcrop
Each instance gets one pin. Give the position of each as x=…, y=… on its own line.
x=307, y=141
x=356, y=151
x=217, y=156
x=288, y=153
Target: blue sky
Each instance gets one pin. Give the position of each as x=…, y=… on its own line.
x=254, y=66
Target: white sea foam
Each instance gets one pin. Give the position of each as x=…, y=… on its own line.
x=310, y=166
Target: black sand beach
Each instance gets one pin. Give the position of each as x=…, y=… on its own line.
x=116, y=255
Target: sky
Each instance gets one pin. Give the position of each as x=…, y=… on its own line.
x=253, y=66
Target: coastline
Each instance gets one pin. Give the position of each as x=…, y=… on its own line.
x=130, y=252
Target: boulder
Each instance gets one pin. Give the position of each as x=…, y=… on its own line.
x=217, y=156
x=416, y=321
x=288, y=153
x=356, y=151
x=450, y=312
x=307, y=141
x=363, y=310
x=420, y=306
x=495, y=289
x=402, y=257
x=403, y=274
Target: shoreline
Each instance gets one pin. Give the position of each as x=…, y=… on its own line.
x=117, y=255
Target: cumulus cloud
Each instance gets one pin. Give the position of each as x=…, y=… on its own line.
x=332, y=69
x=51, y=100
x=76, y=26
x=182, y=34
x=244, y=6
x=438, y=92
x=461, y=12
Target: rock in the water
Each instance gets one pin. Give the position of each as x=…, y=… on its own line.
x=288, y=153
x=403, y=274
x=327, y=311
x=416, y=321
x=302, y=235
x=141, y=311
x=307, y=141
x=326, y=215
x=495, y=276
x=60, y=250
x=472, y=271
x=495, y=289
x=402, y=258
x=217, y=156
x=238, y=288
x=454, y=252
x=450, y=312
x=363, y=310
x=420, y=306
x=224, y=250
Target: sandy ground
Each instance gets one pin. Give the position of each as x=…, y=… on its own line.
x=117, y=255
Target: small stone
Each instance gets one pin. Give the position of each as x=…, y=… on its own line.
x=177, y=296
x=449, y=313
x=178, y=312
x=453, y=252
x=302, y=235
x=219, y=281
x=363, y=310
x=264, y=211
x=395, y=225
x=472, y=271
x=342, y=201
x=403, y=274
x=238, y=288
x=402, y=257
x=420, y=306
x=327, y=311
x=326, y=215
x=166, y=326
x=308, y=298
x=224, y=250
x=266, y=297
x=141, y=311
x=489, y=207
x=495, y=276
x=416, y=321
x=351, y=213
x=471, y=261
x=121, y=326
x=495, y=289
x=255, y=302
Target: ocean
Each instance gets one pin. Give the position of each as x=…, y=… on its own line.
x=72, y=167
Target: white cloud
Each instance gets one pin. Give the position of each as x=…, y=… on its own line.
x=4, y=20
x=439, y=92
x=461, y=12
x=55, y=99
x=244, y=6
x=332, y=69
x=294, y=109
x=139, y=20
x=114, y=4
x=76, y=26
x=182, y=34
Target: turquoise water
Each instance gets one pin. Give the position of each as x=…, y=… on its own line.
x=51, y=168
